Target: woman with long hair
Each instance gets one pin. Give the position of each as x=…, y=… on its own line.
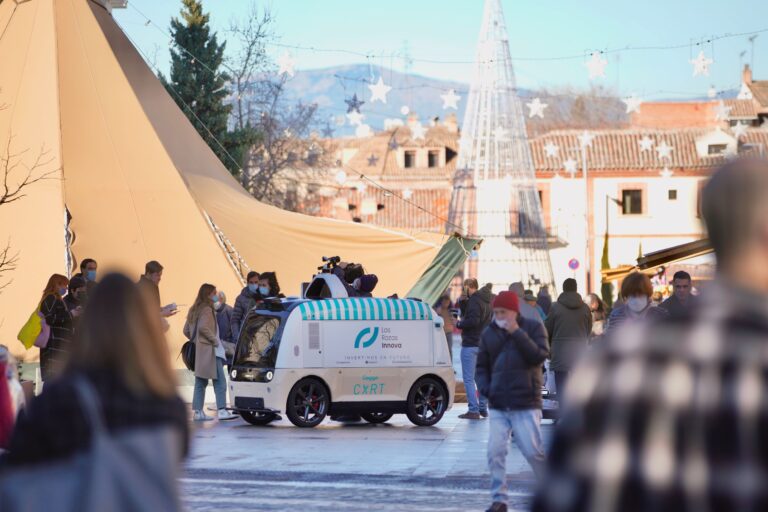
x=121, y=355
x=268, y=285
x=210, y=356
x=599, y=314
x=59, y=319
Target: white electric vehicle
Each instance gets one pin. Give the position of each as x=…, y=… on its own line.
x=329, y=354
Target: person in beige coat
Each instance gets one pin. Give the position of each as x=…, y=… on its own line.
x=202, y=328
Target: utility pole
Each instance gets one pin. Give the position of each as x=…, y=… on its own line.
x=751, y=40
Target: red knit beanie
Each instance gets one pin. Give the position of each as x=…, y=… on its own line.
x=507, y=300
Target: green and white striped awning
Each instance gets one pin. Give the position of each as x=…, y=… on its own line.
x=365, y=309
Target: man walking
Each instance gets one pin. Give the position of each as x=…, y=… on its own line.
x=477, y=315
x=512, y=351
x=679, y=304
x=670, y=415
x=569, y=325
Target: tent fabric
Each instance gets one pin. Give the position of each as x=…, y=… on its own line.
x=268, y=238
x=436, y=278
x=138, y=180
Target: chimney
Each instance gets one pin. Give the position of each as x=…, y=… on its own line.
x=746, y=75
x=451, y=123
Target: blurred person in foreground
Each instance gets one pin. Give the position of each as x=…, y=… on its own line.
x=672, y=415
x=121, y=355
x=512, y=351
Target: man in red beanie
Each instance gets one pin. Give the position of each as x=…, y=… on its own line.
x=512, y=351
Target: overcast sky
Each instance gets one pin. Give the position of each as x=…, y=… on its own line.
x=448, y=29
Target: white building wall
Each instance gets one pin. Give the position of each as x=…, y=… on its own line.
x=664, y=222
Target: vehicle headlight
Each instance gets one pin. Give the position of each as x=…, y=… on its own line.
x=234, y=374
x=269, y=376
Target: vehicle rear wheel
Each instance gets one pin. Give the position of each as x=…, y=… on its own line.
x=258, y=418
x=307, y=403
x=376, y=417
x=427, y=402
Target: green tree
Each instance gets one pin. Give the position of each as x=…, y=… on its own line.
x=197, y=83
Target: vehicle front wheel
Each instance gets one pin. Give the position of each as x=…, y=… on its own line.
x=258, y=418
x=307, y=403
x=427, y=402
x=376, y=417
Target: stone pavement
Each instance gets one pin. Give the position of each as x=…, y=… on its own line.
x=394, y=466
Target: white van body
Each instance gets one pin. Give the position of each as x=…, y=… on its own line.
x=367, y=354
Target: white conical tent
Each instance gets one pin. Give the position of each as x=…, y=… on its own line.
x=137, y=179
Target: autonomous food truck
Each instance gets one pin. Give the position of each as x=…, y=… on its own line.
x=327, y=353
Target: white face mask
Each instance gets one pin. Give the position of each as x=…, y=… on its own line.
x=501, y=323
x=637, y=304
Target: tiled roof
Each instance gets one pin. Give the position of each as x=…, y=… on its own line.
x=759, y=90
x=742, y=109
x=620, y=149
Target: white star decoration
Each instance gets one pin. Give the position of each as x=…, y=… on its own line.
x=632, y=103
x=286, y=63
x=739, y=130
x=341, y=177
x=646, y=143
x=363, y=130
x=551, y=149
x=379, y=91
x=596, y=65
x=404, y=110
x=712, y=92
x=701, y=64
x=722, y=111
x=666, y=173
x=570, y=166
x=664, y=150
x=407, y=193
x=500, y=133
x=585, y=139
x=450, y=100
x=536, y=108
x=355, y=118
x=418, y=131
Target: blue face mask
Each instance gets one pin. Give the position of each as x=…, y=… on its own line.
x=215, y=299
x=91, y=275
x=264, y=290
x=62, y=291
x=253, y=288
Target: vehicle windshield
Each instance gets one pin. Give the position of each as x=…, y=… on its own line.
x=257, y=345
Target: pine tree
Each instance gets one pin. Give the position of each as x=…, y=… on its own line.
x=196, y=82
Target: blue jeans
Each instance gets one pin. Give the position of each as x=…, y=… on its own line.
x=525, y=425
x=468, y=364
x=219, y=388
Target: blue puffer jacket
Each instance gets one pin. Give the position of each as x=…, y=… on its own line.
x=509, y=365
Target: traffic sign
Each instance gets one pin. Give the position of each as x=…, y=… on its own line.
x=573, y=264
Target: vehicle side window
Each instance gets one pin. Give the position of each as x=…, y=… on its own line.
x=255, y=346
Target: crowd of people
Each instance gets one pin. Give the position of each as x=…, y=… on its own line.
x=662, y=403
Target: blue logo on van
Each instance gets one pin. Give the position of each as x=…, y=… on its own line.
x=370, y=341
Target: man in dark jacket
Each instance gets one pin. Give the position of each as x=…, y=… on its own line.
x=512, y=351
x=477, y=315
x=681, y=301
x=244, y=302
x=569, y=324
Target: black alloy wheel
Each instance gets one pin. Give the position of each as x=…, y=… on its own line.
x=427, y=402
x=307, y=403
x=376, y=417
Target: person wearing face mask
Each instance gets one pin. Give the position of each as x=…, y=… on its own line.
x=88, y=269
x=59, y=319
x=636, y=290
x=569, y=325
x=512, y=351
x=269, y=287
x=210, y=354
x=244, y=302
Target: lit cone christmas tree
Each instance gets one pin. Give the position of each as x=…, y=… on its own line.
x=494, y=191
